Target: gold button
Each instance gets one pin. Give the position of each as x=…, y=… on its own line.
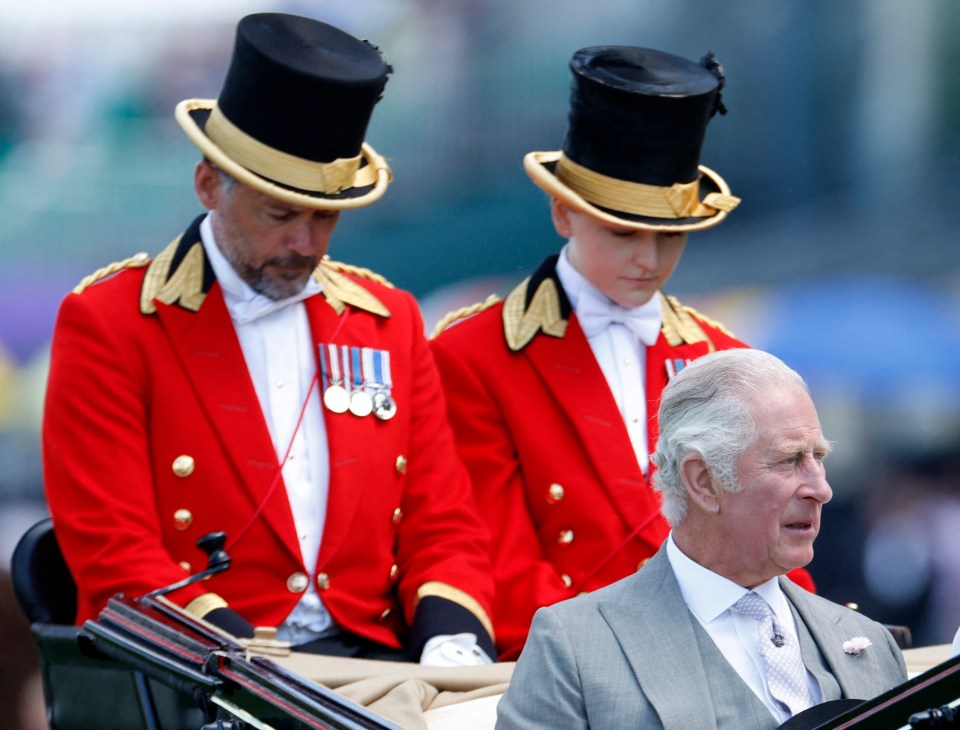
x=383, y=616
x=642, y=563
x=565, y=537
x=397, y=516
x=393, y=571
x=187, y=568
x=182, y=519
x=401, y=464
x=297, y=583
x=183, y=465
x=323, y=581
x=567, y=580
x=555, y=493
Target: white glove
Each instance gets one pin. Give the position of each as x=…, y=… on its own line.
x=453, y=650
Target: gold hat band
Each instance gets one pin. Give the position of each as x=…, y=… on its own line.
x=317, y=177
x=680, y=200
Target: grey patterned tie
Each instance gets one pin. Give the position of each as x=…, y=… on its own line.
x=786, y=674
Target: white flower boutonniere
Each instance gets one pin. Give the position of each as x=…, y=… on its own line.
x=856, y=645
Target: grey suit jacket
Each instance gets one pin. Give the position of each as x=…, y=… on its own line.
x=633, y=656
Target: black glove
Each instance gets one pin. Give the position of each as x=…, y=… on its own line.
x=231, y=622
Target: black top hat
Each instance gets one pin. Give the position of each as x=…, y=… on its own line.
x=291, y=118
x=631, y=156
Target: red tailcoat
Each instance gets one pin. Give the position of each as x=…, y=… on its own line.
x=147, y=368
x=554, y=471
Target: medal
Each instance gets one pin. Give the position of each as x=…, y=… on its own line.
x=361, y=404
x=335, y=396
x=384, y=407
x=336, y=399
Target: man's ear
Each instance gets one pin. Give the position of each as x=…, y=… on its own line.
x=701, y=488
x=207, y=184
x=560, y=214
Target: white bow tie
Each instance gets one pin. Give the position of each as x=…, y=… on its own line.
x=595, y=315
x=260, y=306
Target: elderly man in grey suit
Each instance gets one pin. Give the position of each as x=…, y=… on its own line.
x=709, y=634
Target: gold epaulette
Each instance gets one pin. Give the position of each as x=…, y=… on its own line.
x=680, y=325
x=182, y=285
x=521, y=322
x=450, y=317
x=135, y=261
x=340, y=290
x=360, y=271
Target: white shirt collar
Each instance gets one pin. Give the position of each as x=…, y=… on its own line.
x=243, y=303
x=709, y=594
x=576, y=286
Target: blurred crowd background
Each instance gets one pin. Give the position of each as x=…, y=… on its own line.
x=842, y=138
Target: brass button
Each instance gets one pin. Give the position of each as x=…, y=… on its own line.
x=182, y=519
x=401, y=465
x=642, y=563
x=567, y=580
x=397, y=516
x=555, y=493
x=183, y=465
x=565, y=537
x=393, y=571
x=187, y=568
x=383, y=616
x=323, y=581
x=297, y=583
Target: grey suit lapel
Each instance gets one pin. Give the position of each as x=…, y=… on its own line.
x=659, y=638
x=830, y=626
x=660, y=645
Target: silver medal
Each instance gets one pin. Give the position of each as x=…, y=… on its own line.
x=384, y=406
x=361, y=404
x=336, y=399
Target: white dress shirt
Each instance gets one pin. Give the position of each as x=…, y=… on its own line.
x=278, y=348
x=709, y=597
x=621, y=356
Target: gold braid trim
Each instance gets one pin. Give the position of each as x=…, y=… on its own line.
x=521, y=325
x=461, y=598
x=317, y=177
x=183, y=286
x=202, y=605
x=340, y=290
x=679, y=325
x=135, y=261
x=680, y=200
x=360, y=271
x=457, y=314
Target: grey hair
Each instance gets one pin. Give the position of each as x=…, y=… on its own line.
x=705, y=410
x=228, y=181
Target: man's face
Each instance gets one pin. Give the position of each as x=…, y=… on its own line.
x=273, y=246
x=771, y=523
x=628, y=266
